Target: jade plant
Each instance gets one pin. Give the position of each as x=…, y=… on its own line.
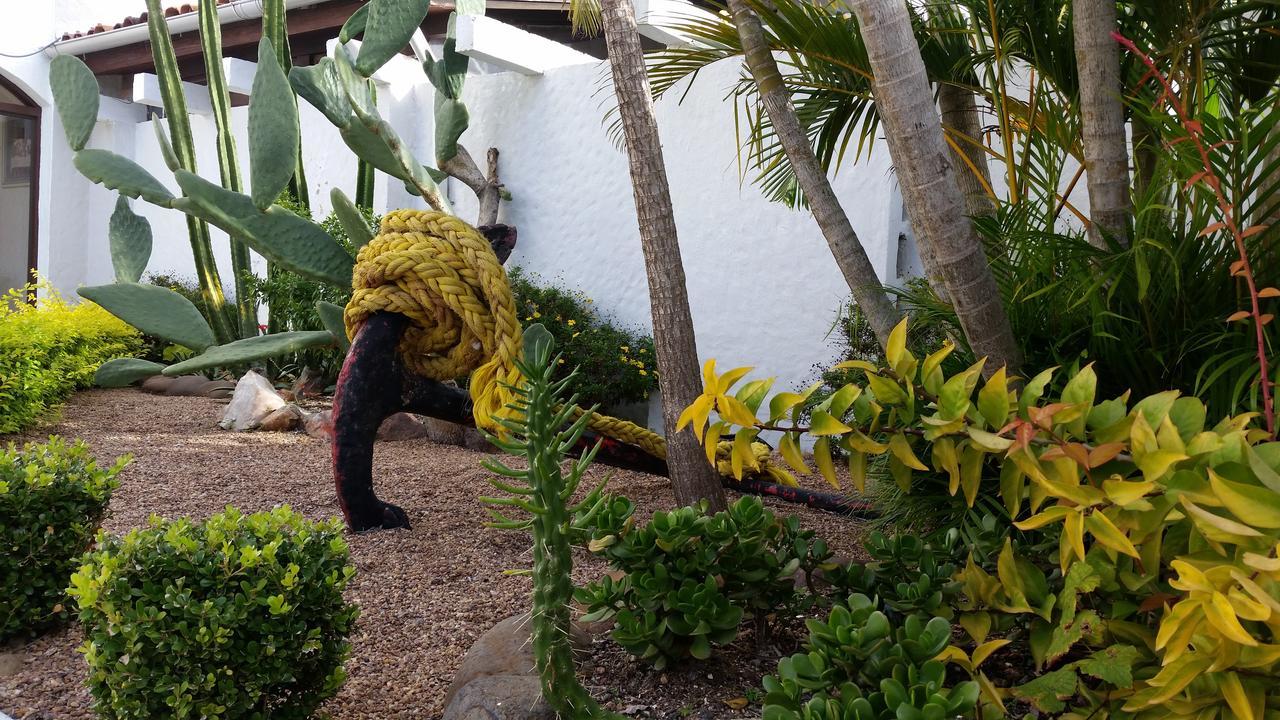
x=859, y=647
x=539, y=432
x=341, y=88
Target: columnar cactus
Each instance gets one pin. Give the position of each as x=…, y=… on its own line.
x=543, y=491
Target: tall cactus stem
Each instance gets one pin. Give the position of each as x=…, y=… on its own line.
x=228, y=165
x=175, y=105
x=364, y=170
x=540, y=437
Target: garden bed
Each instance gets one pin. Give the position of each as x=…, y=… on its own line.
x=425, y=594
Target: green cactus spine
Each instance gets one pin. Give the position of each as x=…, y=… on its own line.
x=175, y=106
x=228, y=165
x=543, y=492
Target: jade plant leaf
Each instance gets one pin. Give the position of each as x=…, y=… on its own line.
x=250, y=349
x=130, y=238
x=116, y=172
x=273, y=129
x=388, y=28
x=75, y=93
x=154, y=311
x=123, y=372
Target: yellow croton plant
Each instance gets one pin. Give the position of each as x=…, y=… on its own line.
x=1168, y=527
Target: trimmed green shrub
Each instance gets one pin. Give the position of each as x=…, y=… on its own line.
x=50, y=348
x=240, y=616
x=616, y=366
x=53, y=497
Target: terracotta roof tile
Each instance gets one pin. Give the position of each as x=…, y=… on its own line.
x=169, y=12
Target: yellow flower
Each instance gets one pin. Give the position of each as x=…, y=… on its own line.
x=561, y=361
x=572, y=322
x=528, y=317
x=642, y=372
x=537, y=314
x=624, y=348
x=575, y=335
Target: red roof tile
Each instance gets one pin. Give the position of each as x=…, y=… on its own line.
x=169, y=12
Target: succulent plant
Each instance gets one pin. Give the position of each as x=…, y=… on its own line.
x=538, y=433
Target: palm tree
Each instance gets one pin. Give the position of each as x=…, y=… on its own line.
x=1106, y=154
x=849, y=254
x=692, y=478
x=926, y=175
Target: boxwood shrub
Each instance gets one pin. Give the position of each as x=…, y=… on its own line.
x=53, y=497
x=241, y=616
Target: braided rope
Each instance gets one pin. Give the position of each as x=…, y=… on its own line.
x=443, y=275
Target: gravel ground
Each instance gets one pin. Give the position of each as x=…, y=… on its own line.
x=425, y=594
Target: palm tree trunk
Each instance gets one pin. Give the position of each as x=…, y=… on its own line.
x=850, y=256
x=959, y=110
x=1106, y=156
x=927, y=178
x=692, y=477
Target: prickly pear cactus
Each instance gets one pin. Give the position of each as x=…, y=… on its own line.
x=543, y=491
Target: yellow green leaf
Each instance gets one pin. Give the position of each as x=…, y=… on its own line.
x=970, y=473
x=862, y=365
x=983, y=651
x=822, y=458
x=897, y=345
x=696, y=414
x=1231, y=689
x=1105, y=532
x=858, y=470
x=730, y=378
x=993, y=399
x=1073, y=528
x=1223, y=618
x=1227, y=530
x=823, y=423
x=1052, y=514
x=977, y=624
x=886, y=391
x=1256, y=506
x=781, y=403
x=709, y=376
x=842, y=399
x=931, y=370
x=901, y=449
x=711, y=443
x=944, y=458
x=732, y=409
x=988, y=441
x=1122, y=492
x=862, y=443
x=789, y=446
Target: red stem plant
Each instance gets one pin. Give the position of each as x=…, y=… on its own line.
x=1209, y=178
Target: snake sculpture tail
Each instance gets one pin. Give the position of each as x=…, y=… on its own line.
x=431, y=304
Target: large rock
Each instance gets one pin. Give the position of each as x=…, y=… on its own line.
x=157, y=384
x=444, y=432
x=497, y=667
x=500, y=697
x=401, y=426
x=253, y=399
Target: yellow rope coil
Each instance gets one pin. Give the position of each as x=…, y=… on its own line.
x=443, y=275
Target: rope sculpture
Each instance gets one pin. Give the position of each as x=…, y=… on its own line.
x=436, y=283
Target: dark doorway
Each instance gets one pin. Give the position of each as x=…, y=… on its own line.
x=19, y=184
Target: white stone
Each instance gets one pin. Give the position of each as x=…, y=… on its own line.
x=252, y=401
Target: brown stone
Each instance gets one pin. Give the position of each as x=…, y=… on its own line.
x=218, y=389
x=319, y=425
x=157, y=384
x=444, y=432
x=401, y=426
x=282, y=419
x=473, y=440
x=187, y=386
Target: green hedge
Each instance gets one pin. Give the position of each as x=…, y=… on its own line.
x=240, y=616
x=52, y=499
x=51, y=348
